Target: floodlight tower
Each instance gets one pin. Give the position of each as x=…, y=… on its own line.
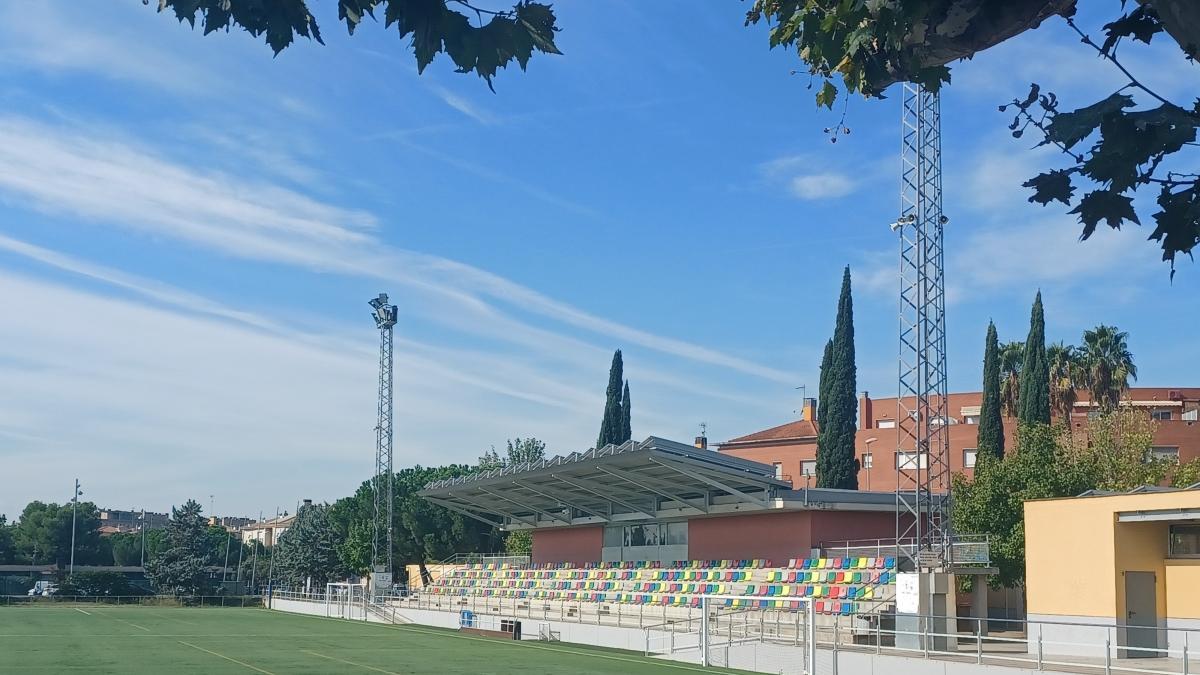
x=381, y=544
x=923, y=477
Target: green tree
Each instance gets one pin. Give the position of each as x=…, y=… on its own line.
x=1065, y=377
x=626, y=415
x=490, y=459
x=519, y=542
x=525, y=450
x=612, y=426
x=44, y=532
x=97, y=583
x=505, y=36
x=1107, y=365
x=991, y=424
x=1115, y=448
x=307, y=553
x=1034, y=404
x=126, y=548
x=992, y=501
x=179, y=569
x=1112, y=147
x=1187, y=474
x=7, y=550
x=823, y=384
x=837, y=466
x=1012, y=355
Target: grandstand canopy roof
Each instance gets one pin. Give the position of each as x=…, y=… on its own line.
x=650, y=479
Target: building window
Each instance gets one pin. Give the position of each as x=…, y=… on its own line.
x=778, y=469
x=907, y=461
x=939, y=421
x=887, y=424
x=1164, y=452
x=808, y=467
x=677, y=534
x=1160, y=415
x=1185, y=541
x=867, y=460
x=1191, y=416
x=969, y=456
x=971, y=419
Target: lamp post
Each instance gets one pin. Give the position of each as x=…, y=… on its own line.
x=74, y=507
x=868, y=454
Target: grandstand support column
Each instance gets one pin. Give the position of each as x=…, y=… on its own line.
x=704, y=631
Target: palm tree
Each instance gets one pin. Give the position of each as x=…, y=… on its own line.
x=1107, y=365
x=1065, y=376
x=1012, y=354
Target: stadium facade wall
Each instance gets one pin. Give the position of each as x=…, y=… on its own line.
x=773, y=535
x=576, y=545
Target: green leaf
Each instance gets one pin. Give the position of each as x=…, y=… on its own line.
x=827, y=95
x=1071, y=127
x=1178, y=221
x=1140, y=24
x=1051, y=186
x=1111, y=207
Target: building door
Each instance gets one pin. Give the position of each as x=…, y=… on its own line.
x=1141, y=614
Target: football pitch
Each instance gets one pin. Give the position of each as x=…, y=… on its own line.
x=179, y=641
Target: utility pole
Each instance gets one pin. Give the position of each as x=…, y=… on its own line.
x=381, y=545
x=254, y=562
x=225, y=569
x=143, y=528
x=74, y=508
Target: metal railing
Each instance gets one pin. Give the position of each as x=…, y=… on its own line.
x=496, y=558
x=1108, y=655
x=968, y=550
x=144, y=600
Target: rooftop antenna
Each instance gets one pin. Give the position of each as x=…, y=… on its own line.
x=381, y=544
x=803, y=389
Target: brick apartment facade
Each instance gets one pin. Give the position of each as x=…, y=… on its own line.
x=792, y=447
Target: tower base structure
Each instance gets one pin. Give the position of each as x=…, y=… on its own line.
x=926, y=611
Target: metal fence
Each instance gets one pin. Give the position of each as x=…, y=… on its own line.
x=145, y=600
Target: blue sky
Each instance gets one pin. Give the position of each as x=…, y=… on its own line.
x=190, y=229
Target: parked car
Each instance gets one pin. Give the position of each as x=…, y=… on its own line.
x=43, y=589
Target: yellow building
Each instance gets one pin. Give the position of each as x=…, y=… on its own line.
x=1122, y=567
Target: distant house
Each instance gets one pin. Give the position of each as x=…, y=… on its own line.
x=268, y=531
x=117, y=520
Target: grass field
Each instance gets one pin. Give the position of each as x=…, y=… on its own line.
x=181, y=641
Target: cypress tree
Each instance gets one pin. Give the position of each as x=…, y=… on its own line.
x=837, y=466
x=626, y=428
x=823, y=385
x=610, y=426
x=991, y=426
x=1033, y=406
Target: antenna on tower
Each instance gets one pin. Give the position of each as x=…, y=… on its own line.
x=381, y=543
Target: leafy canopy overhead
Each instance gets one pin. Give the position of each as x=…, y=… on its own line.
x=480, y=40
x=1114, y=145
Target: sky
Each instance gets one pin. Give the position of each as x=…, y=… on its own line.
x=190, y=229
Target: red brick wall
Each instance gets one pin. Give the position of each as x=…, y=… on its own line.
x=781, y=536
x=577, y=545
x=774, y=536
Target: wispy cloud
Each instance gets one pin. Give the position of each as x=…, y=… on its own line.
x=825, y=185
x=41, y=37
x=464, y=106
x=806, y=177
x=113, y=181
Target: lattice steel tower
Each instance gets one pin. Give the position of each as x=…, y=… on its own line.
x=922, y=419
x=381, y=544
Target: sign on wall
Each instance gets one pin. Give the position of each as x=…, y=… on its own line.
x=908, y=593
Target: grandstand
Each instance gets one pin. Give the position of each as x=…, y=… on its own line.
x=836, y=585
x=661, y=524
